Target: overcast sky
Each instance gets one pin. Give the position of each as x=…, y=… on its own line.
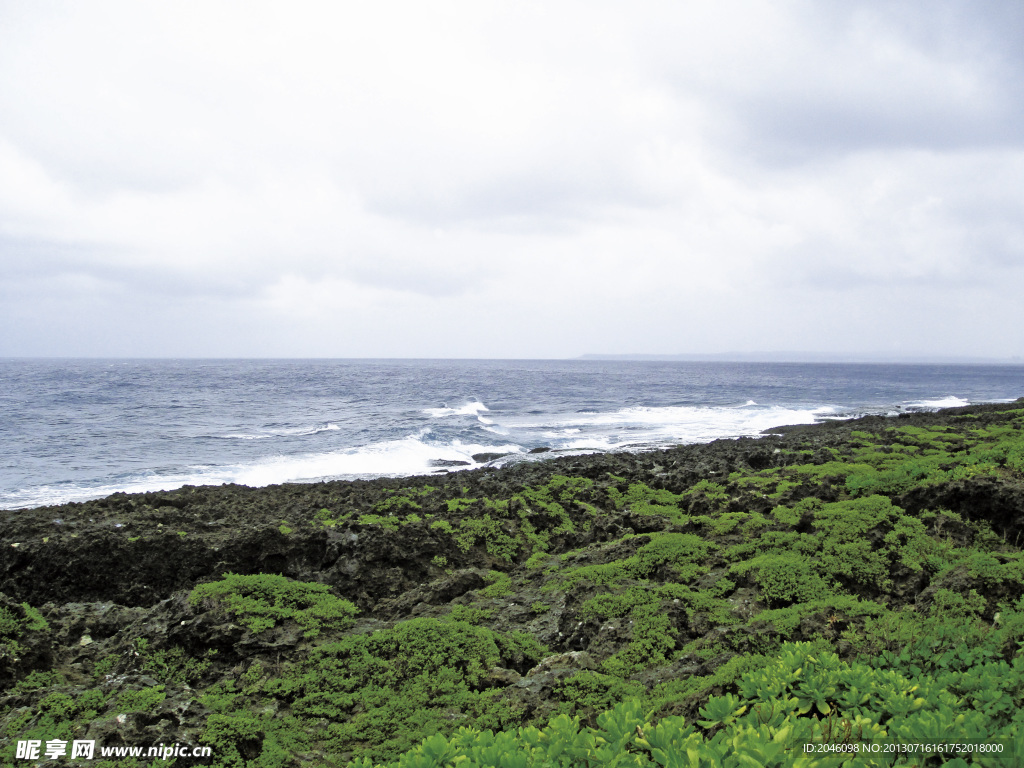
x=511, y=179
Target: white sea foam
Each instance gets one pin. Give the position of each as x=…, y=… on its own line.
x=561, y=433
x=408, y=456
x=623, y=429
x=472, y=408
x=678, y=423
x=949, y=401
x=318, y=430
x=340, y=433
x=285, y=432
x=595, y=443
x=45, y=495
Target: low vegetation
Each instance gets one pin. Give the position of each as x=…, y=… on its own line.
x=862, y=595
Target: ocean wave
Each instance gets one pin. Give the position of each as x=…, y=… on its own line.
x=408, y=456
x=949, y=401
x=318, y=430
x=420, y=452
x=561, y=433
x=472, y=408
x=684, y=423
x=284, y=432
x=255, y=426
x=594, y=443
x=64, y=493
x=411, y=455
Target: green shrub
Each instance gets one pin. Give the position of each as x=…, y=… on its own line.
x=805, y=695
x=499, y=584
x=490, y=532
x=383, y=692
x=587, y=693
x=648, y=501
x=261, y=601
x=173, y=665
x=845, y=529
x=784, y=579
x=14, y=625
x=683, y=552
x=140, y=701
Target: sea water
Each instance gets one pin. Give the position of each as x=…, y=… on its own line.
x=72, y=430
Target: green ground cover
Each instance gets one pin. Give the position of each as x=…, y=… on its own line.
x=829, y=598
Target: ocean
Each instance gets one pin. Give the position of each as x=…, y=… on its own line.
x=72, y=430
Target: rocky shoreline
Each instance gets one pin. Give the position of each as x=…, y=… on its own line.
x=96, y=595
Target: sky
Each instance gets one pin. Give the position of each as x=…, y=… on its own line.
x=511, y=179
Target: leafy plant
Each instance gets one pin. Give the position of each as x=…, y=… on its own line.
x=262, y=601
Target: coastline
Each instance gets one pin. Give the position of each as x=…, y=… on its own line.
x=260, y=423
x=466, y=548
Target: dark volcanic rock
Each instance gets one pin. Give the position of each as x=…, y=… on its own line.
x=999, y=502
x=483, y=458
x=112, y=577
x=31, y=651
x=140, y=549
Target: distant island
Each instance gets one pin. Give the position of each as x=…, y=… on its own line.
x=809, y=357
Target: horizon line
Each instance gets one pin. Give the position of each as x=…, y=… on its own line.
x=724, y=357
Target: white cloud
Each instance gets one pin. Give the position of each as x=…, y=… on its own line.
x=463, y=179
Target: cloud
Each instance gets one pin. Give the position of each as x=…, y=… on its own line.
x=799, y=81
x=546, y=179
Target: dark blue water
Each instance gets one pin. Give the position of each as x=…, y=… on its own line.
x=78, y=429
